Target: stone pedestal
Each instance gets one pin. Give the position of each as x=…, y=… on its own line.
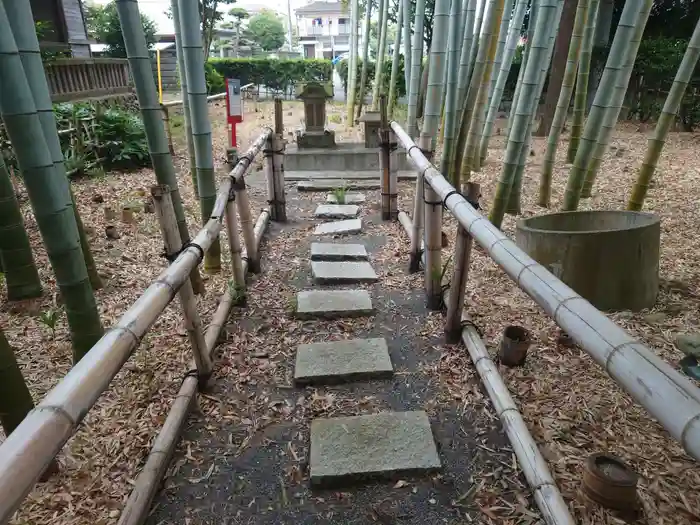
x=372, y=122
x=315, y=134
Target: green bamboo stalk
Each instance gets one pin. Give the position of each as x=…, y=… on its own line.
x=406, y=42
x=500, y=50
x=15, y=398
x=191, y=156
x=365, y=58
x=460, y=164
x=523, y=64
x=666, y=119
x=452, y=70
x=476, y=132
x=617, y=58
x=506, y=64
x=416, y=62
x=378, y=88
x=93, y=275
x=395, y=63
x=199, y=111
x=468, y=40
x=22, y=23
x=21, y=276
x=48, y=194
x=478, y=25
x=613, y=113
x=584, y=72
x=513, y=207
x=436, y=72
x=527, y=104
x=563, y=103
x=151, y=113
x=352, y=63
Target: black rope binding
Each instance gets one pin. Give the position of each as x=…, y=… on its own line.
x=474, y=203
x=466, y=322
x=173, y=256
x=431, y=203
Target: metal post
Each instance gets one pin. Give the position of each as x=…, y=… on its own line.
x=463, y=247
x=173, y=244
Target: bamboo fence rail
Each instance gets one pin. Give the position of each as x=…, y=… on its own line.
x=26, y=452
x=638, y=370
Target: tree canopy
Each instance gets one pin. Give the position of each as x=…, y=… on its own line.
x=102, y=24
x=266, y=30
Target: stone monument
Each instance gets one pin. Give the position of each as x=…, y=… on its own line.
x=372, y=122
x=315, y=134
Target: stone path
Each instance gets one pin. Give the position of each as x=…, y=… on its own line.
x=361, y=447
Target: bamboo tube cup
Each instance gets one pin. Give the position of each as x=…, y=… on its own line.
x=460, y=274
x=173, y=244
x=631, y=364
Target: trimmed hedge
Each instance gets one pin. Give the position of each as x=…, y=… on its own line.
x=274, y=74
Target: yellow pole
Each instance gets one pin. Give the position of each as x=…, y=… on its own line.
x=160, y=80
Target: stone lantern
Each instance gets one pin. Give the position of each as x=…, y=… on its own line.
x=315, y=134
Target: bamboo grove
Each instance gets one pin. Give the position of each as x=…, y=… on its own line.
x=456, y=87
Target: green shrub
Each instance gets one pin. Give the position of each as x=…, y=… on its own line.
x=215, y=80
x=279, y=75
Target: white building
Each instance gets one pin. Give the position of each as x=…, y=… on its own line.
x=324, y=29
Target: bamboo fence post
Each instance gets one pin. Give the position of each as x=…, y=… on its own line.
x=460, y=274
x=416, y=237
x=269, y=170
x=243, y=205
x=278, y=147
x=384, y=159
x=234, y=244
x=432, y=208
x=173, y=245
x=168, y=131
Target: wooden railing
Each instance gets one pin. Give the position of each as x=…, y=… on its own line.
x=83, y=78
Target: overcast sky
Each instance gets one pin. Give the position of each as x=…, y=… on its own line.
x=156, y=9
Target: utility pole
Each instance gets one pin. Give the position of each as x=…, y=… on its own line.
x=289, y=24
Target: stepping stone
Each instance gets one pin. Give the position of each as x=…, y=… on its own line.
x=341, y=361
x=378, y=445
x=339, y=227
x=333, y=303
x=336, y=211
x=327, y=272
x=332, y=184
x=325, y=251
x=350, y=198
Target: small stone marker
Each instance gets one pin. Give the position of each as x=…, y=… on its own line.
x=339, y=227
x=340, y=361
x=327, y=272
x=350, y=198
x=336, y=211
x=333, y=303
x=386, y=444
x=331, y=184
x=325, y=251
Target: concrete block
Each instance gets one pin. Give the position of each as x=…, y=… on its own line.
x=378, y=445
x=350, y=198
x=336, y=211
x=341, y=361
x=322, y=251
x=329, y=272
x=333, y=303
x=332, y=184
x=344, y=157
x=347, y=226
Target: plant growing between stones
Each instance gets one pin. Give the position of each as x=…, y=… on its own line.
x=237, y=292
x=340, y=194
